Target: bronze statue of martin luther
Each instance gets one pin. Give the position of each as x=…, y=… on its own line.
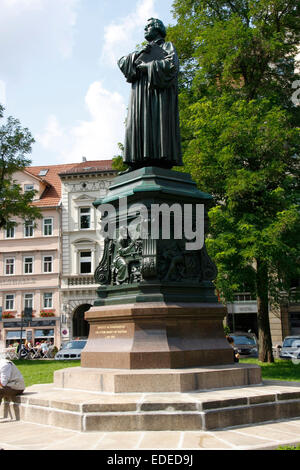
x=152, y=131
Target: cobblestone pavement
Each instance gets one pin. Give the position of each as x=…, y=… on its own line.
x=18, y=435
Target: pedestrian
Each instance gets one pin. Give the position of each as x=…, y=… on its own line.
x=11, y=379
x=236, y=355
x=44, y=348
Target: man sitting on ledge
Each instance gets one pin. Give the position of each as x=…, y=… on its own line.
x=11, y=380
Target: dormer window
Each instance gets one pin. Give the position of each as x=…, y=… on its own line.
x=28, y=187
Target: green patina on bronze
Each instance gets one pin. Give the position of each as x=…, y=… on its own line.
x=138, y=267
x=140, y=270
x=152, y=127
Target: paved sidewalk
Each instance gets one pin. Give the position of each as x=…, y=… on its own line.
x=18, y=435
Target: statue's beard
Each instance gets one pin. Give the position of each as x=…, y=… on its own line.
x=150, y=36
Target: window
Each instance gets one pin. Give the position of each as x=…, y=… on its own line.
x=42, y=334
x=48, y=300
x=15, y=334
x=85, y=217
x=47, y=264
x=28, y=229
x=28, y=301
x=48, y=227
x=9, y=302
x=9, y=266
x=28, y=265
x=43, y=172
x=85, y=262
x=10, y=232
x=28, y=187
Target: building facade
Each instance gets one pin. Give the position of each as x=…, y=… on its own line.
x=284, y=319
x=48, y=265
x=82, y=245
x=30, y=265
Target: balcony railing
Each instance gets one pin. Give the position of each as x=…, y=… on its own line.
x=81, y=280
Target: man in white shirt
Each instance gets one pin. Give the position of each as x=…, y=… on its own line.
x=11, y=379
x=45, y=348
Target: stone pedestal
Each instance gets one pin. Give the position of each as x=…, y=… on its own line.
x=147, y=257
x=121, y=381
x=156, y=335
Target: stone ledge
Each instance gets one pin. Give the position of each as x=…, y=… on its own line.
x=87, y=411
x=160, y=380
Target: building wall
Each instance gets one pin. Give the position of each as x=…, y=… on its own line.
x=23, y=179
x=79, y=191
x=276, y=326
x=34, y=283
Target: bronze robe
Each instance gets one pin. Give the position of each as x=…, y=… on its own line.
x=152, y=129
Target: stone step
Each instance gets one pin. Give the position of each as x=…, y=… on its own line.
x=87, y=411
x=158, y=380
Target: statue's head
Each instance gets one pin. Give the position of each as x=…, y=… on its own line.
x=154, y=29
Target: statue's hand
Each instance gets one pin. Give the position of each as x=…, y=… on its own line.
x=146, y=48
x=142, y=67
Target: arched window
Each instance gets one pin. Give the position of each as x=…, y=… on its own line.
x=80, y=325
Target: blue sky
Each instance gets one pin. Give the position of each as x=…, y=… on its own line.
x=59, y=74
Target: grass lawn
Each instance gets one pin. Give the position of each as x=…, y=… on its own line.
x=41, y=372
x=279, y=370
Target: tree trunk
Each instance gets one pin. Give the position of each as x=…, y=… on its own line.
x=264, y=331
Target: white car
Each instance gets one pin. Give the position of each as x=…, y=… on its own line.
x=71, y=350
x=290, y=348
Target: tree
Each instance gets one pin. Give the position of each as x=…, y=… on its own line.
x=117, y=161
x=15, y=144
x=240, y=140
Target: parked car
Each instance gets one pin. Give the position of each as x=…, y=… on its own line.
x=71, y=350
x=245, y=343
x=290, y=348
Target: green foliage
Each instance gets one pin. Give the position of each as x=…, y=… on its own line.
x=297, y=447
x=118, y=164
x=239, y=138
x=226, y=330
x=234, y=43
x=117, y=161
x=15, y=145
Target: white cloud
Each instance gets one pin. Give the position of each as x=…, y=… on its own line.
x=52, y=134
x=96, y=138
x=34, y=30
x=119, y=35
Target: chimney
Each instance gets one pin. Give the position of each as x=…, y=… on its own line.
x=84, y=159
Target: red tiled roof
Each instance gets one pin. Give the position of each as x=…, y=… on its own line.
x=52, y=194
x=89, y=166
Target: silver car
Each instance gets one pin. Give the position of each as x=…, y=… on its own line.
x=71, y=350
x=290, y=348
